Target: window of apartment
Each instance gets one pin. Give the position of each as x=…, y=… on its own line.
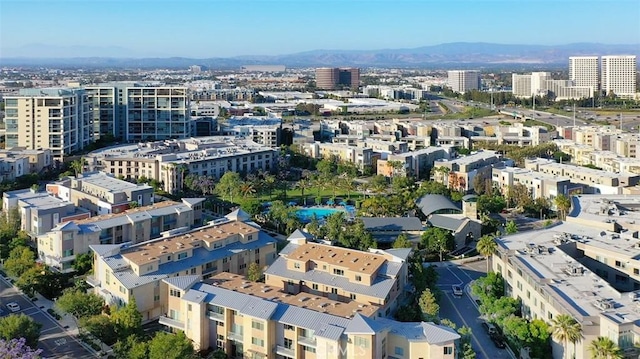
x=122, y=290
x=358, y=278
x=257, y=341
x=334, y=290
x=174, y=293
x=314, y=286
x=308, y=349
x=67, y=253
x=156, y=297
x=193, y=271
x=448, y=350
x=149, y=267
x=361, y=342
x=257, y=325
x=107, y=278
x=338, y=271
x=288, y=343
x=636, y=271
x=289, y=327
x=243, y=266
x=168, y=258
x=352, y=296
x=182, y=255
x=398, y=351
x=296, y=265
x=250, y=238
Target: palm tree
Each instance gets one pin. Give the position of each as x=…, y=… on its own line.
x=302, y=185
x=269, y=181
x=567, y=330
x=78, y=166
x=604, y=348
x=247, y=189
x=564, y=205
x=487, y=246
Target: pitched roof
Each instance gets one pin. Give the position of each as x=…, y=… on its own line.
x=420, y=331
x=192, y=201
x=402, y=253
x=239, y=215
x=445, y=222
x=298, y=234
x=182, y=282
x=431, y=203
x=392, y=223
x=360, y=324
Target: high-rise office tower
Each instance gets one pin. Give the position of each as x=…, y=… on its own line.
x=55, y=118
x=585, y=71
x=463, y=80
x=330, y=78
x=619, y=75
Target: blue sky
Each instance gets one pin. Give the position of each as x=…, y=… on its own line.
x=222, y=28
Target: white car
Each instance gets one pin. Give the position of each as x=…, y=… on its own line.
x=457, y=290
x=13, y=306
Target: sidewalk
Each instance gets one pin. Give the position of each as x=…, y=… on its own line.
x=66, y=321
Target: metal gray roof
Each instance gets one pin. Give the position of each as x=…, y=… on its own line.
x=402, y=253
x=445, y=222
x=380, y=287
x=308, y=318
x=360, y=324
x=392, y=223
x=192, y=201
x=435, y=202
x=182, y=282
x=420, y=331
x=239, y=215
x=288, y=249
x=391, y=269
x=298, y=234
x=329, y=331
x=105, y=249
x=244, y=303
x=195, y=296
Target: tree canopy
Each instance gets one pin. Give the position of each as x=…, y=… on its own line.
x=16, y=326
x=80, y=304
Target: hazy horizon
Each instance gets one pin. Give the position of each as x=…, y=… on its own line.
x=227, y=28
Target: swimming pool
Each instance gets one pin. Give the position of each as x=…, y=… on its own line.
x=306, y=214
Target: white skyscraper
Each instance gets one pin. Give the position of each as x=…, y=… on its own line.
x=521, y=85
x=584, y=71
x=464, y=80
x=619, y=75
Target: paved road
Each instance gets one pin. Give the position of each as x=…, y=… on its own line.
x=54, y=341
x=462, y=310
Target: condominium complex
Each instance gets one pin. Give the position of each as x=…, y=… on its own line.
x=619, y=75
x=266, y=131
x=463, y=80
x=139, y=111
x=227, y=245
x=541, y=84
x=377, y=279
x=58, y=119
x=415, y=163
x=360, y=156
x=101, y=193
x=60, y=246
x=586, y=267
x=170, y=161
x=248, y=319
x=539, y=185
x=459, y=173
x=330, y=78
x=585, y=71
x=19, y=161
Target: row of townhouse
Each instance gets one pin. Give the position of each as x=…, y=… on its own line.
x=592, y=180
x=586, y=267
x=169, y=162
x=230, y=244
x=60, y=246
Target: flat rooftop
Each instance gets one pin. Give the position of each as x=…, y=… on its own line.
x=356, y=261
x=314, y=302
x=109, y=183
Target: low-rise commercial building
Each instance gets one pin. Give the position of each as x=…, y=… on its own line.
x=227, y=245
x=101, y=193
x=60, y=246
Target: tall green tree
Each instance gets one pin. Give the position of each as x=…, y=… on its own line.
x=131, y=347
x=486, y=246
x=563, y=203
x=254, y=273
x=80, y=304
x=566, y=330
x=429, y=306
x=15, y=326
x=402, y=242
x=78, y=166
x=604, y=348
x=437, y=240
x=20, y=260
x=127, y=319
x=171, y=346
x=101, y=327
x=228, y=185
x=83, y=262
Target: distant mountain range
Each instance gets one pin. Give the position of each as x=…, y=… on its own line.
x=460, y=54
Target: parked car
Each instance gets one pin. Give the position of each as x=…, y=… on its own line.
x=457, y=290
x=490, y=328
x=498, y=341
x=13, y=306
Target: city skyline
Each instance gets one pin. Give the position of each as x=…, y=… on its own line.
x=224, y=28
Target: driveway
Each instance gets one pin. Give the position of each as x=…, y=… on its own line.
x=461, y=309
x=54, y=340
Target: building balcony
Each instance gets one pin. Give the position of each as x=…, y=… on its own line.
x=215, y=316
x=235, y=336
x=306, y=341
x=93, y=281
x=170, y=322
x=281, y=350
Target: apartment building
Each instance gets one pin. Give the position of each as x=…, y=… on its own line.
x=377, y=278
x=101, y=193
x=619, y=75
x=227, y=245
x=170, y=161
x=227, y=94
x=12, y=167
x=539, y=185
x=585, y=71
x=39, y=211
x=360, y=156
x=463, y=80
x=414, y=163
x=59, y=247
x=138, y=111
x=254, y=319
x=586, y=267
x=36, y=161
x=58, y=119
x=459, y=173
x=594, y=181
x=266, y=131
x=521, y=85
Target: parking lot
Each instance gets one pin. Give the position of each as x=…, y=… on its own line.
x=54, y=341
